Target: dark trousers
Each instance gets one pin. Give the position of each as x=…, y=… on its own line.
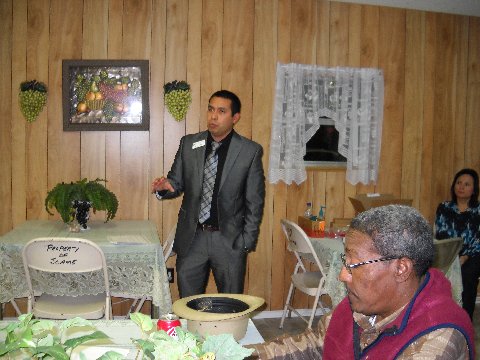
x=470, y=274
x=209, y=252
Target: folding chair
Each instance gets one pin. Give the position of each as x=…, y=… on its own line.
x=308, y=282
x=445, y=252
x=70, y=256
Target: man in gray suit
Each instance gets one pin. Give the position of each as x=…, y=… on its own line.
x=222, y=207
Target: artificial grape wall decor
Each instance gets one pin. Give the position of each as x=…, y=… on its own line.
x=32, y=99
x=178, y=98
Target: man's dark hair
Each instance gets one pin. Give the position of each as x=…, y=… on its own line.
x=398, y=231
x=473, y=202
x=236, y=104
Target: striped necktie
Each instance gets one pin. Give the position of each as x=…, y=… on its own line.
x=209, y=176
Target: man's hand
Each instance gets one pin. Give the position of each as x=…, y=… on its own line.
x=160, y=184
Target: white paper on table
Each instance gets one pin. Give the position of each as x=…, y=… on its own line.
x=127, y=239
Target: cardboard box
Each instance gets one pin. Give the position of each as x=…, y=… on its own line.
x=311, y=227
x=362, y=202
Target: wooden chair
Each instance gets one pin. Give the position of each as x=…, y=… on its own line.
x=308, y=282
x=65, y=255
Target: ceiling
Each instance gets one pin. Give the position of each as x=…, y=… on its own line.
x=461, y=7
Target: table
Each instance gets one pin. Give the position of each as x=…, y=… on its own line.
x=329, y=250
x=133, y=252
x=121, y=333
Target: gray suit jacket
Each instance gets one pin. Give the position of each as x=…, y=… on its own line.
x=240, y=197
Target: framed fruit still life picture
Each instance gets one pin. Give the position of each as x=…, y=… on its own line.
x=104, y=95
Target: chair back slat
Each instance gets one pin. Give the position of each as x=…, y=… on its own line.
x=69, y=255
x=299, y=243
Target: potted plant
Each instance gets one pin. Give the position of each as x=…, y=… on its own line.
x=73, y=200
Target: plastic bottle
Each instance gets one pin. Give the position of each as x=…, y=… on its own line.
x=308, y=211
x=321, y=213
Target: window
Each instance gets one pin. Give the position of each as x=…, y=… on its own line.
x=322, y=148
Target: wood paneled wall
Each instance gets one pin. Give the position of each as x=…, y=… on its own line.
x=431, y=64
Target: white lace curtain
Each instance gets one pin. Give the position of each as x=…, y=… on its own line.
x=351, y=97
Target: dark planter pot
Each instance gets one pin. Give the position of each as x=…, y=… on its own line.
x=82, y=212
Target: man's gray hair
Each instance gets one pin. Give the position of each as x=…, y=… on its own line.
x=399, y=231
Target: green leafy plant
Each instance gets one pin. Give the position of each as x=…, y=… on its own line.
x=62, y=196
x=159, y=345
x=178, y=97
x=42, y=339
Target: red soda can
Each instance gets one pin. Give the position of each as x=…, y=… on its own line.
x=168, y=323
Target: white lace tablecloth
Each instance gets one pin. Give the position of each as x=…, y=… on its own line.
x=329, y=250
x=132, y=249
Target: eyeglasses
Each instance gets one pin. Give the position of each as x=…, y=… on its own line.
x=349, y=267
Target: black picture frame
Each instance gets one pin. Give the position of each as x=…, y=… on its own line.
x=105, y=95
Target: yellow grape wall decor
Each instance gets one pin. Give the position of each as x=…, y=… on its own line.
x=32, y=99
x=178, y=98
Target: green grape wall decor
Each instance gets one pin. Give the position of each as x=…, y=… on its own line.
x=178, y=98
x=32, y=99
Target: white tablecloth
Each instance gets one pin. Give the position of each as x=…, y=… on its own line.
x=132, y=249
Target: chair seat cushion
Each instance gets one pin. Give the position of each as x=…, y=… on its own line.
x=66, y=307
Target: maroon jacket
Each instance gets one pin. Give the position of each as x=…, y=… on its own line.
x=431, y=308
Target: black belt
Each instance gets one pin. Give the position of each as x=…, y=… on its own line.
x=207, y=227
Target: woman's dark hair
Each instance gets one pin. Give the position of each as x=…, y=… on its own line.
x=236, y=104
x=473, y=202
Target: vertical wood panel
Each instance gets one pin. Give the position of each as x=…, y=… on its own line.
x=472, y=145
x=18, y=123
x=134, y=144
x=260, y=263
x=92, y=145
x=413, y=109
x=426, y=179
x=443, y=126
x=112, y=138
x=157, y=79
x=281, y=278
x=211, y=79
x=36, y=135
x=194, y=65
x=65, y=43
x=339, y=34
x=238, y=57
x=8, y=89
x=392, y=61
x=459, y=98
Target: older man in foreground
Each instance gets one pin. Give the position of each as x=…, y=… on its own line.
x=397, y=307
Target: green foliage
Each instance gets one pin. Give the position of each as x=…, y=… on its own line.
x=41, y=339
x=159, y=345
x=61, y=198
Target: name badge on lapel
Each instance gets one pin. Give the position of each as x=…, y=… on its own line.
x=198, y=144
